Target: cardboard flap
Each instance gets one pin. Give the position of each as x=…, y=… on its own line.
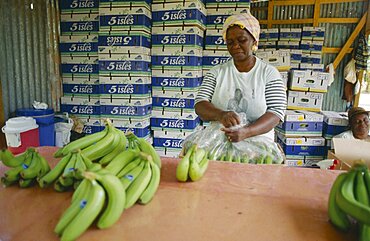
x=350, y=150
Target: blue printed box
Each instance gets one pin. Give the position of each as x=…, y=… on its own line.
x=80, y=70
x=79, y=24
x=212, y=58
x=177, y=50
x=312, y=46
x=269, y=35
x=85, y=107
x=172, y=103
x=134, y=64
x=313, y=33
x=186, y=36
x=78, y=45
x=80, y=6
x=217, y=16
x=140, y=126
x=301, y=123
x=290, y=34
x=311, y=58
x=120, y=19
x=187, y=13
x=174, y=120
x=125, y=90
x=214, y=40
x=125, y=3
x=168, y=142
x=270, y=45
x=228, y=3
x=124, y=44
x=177, y=73
x=306, y=80
x=334, y=123
x=178, y=83
x=91, y=125
x=288, y=44
x=176, y=60
x=139, y=132
x=81, y=90
x=121, y=108
x=296, y=147
x=308, y=66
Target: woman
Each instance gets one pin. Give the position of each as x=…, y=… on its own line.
x=358, y=120
x=245, y=84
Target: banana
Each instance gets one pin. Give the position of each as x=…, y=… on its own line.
x=152, y=187
x=80, y=190
x=78, y=203
x=80, y=165
x=13, y=174
x=83, y=142
x=138, y=186
x=6, y=182
x=101, y=147
x=130, y=166
x=116, y=196
x=197, y=170
x=361, y=194
x=76, y=183
x=24, y=183
x=128, y=177
x=94, y=167
x=182, y=169
x=147, y=148
x=337, y=217
x=59, y=187
x=198, y=154
x=33, y=169
x=65, y=181
x=45, y=168
x=69, y=169
x=346, y=200
x=121, y=160
x=10, y=160
x=120, y=147
x=364, y=234
x=367, y=180
x=86, y=216
x=87, y=161
x=53, y=174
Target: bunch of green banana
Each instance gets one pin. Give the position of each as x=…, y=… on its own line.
x=137, y=143
x=193, y=165
x=102, y=145
x=24, y=168
x=65, y=173
x=350, y=196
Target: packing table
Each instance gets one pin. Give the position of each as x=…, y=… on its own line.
x=232, y=201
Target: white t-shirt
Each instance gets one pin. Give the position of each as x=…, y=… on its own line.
x=349, y=135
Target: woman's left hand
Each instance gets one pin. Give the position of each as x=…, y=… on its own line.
x=236, y=135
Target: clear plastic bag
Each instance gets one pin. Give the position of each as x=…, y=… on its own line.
x=257, y=149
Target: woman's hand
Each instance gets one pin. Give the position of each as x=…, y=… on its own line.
x=236, y=134
x=229, y=119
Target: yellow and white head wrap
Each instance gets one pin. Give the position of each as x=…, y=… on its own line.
x=244, y=20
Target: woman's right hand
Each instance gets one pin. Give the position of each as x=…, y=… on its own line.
x=229, y=118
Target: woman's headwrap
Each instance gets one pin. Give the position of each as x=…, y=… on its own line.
x=244, y=20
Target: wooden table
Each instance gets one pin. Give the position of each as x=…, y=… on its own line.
x=231, y=202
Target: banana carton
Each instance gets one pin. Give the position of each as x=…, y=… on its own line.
x=81, y=66
x=334, y=123
x=121, y=43
x=81, y=87
x=78, y=45
x=217, y=16
x=172, y=120
x=174, y=104
x=313, y=33
x=124, y=3
x=175, y=61
x=212, y=58
x=290, y=34
x=304, y=162
x=308, y=66
x=309, y=101
x=269, y=34
x=126, y=107
x=189, y=36
x=287, y=44
x=176, y=83
x=140, y=128
x=228, y=4
x=79, y=24
x=214, y=40
x=177, y=73
x=279, y=59
x=174, y=93
x=311, y=58
x=349, y=151
x=165, y=152
x=268, y=45
x=295, y=55
x=307, y=80
x=79, y=6
x=91, y=125
x=84, y=107
x=169, y=143
x=136, y=19
x=177, y=50
x=309, y=46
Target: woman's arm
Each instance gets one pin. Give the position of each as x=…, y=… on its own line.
x=208, y=112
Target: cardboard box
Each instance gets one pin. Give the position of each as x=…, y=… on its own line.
x=290, y=34
x=305, y=162
x=310, y=101
x=178, y=104
x=301, y=123
x=334, y=123
x=124, y=80
x=311, y=46
x=212, y=58
x=308, y=66
x=313, y=33
x=123, y=108
x=79, y=45
x=91, y=125
x=177, y=73
x=176, y=83
x=311, y=58
x=124, y=65
x=278, y=59
x=116, y=43
x=79, y=24
x=165, y=152
x=79, y=6
x=306, y=80
x=228, y=4
x=269, y=45
x=288, y=44
x=162, y=120
x=214, y=40
x=269, y=35
x=174, y=93
x=297, y=147
x=217, y=16
x=125, y=4
x=86, y=107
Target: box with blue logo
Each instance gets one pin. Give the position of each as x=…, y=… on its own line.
x=334, y=123
x=174, y=93
x=91, y=125
x=290, y=34
x=217, y=16
x=140, y=128
x=78, y=45
x=299, y=100
x=125, y=108
x=125, y=3
x=214, y=40
x=81, y=87
x=311, y=58
x=301, y=123
x=121, y=43
x=137, y=19
x=314, y=47
x=79, y=6
x=287, y=44
x=269, y=45
x=307, y=80
x=228, y=3
x=174, y=104
x=79, y=66
x=185, y=13
x=177, y=50
x=187, y=36
x=212, y=58
x=304, y=162
x=162, y=120
x=296, y=147
x=85, y=107
x=124, y=65
x=277, y=58
x=177, y=73
x=269, y=35
x=176, y=83
x=295, y=55
x=79, y=24
x=124, y=87
x=176, y=61
x=313, y=33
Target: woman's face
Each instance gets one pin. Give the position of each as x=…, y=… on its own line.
x=360, y=125
x=239, y=43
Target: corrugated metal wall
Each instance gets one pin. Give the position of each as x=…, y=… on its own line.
x=29, y=59
x=336, y=35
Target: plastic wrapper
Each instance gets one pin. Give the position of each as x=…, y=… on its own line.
x=256, y=150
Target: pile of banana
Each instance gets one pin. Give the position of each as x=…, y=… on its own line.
x=100, y=196
x=24, y=168
x=350, y=197
x=193, y=165
x=65, y=174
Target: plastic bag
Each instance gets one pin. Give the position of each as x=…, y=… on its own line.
x=350, y=71
x=257, y=149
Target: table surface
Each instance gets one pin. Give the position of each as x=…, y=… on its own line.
x=233, y=201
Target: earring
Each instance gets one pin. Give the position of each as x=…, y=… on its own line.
x=254, y=48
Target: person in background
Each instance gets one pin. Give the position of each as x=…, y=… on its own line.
x=244, y=84
x=358, y=121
